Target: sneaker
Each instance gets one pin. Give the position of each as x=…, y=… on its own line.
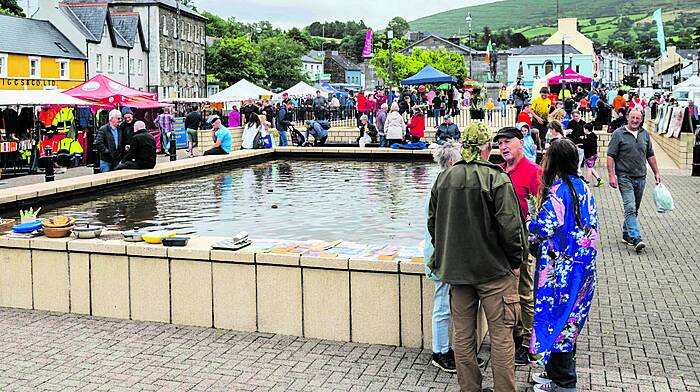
x=627, y=239
x=541, y=378
x=443, y=362
x=522, y=356
x=549, y=387
x=638, y=245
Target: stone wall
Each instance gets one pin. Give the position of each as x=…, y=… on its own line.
x=679, y=149
x=188, y=44
x=358, y=300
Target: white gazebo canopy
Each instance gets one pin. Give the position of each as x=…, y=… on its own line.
x=37, y=97
x=240, y=91
x=693, y=81
x=301, y=89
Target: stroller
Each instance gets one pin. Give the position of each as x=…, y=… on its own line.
x=298, y=138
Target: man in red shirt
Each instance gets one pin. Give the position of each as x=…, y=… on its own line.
x=525, y=116
x=361, y=106
x=526, y=178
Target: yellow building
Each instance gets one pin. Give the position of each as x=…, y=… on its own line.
x=34, y=55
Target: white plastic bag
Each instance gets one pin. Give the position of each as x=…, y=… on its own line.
x=663, y=199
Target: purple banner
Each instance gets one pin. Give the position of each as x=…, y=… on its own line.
x=367, y=51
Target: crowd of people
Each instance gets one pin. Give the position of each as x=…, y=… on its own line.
x=520, y=239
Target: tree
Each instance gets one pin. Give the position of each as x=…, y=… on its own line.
x=218, y=27
x=10, y=7
x=233, y=59
x=518, y=40
x=300, y=37
x=399, y=26
x=592, y=21
x=404, y=66
x=281, y=57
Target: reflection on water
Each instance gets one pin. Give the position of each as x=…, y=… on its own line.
x=371, y=202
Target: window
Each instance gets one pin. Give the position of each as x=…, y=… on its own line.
x=166, y=66
x=140, y=67
x=63, y=70
x=121, y=64
x=578, y=69
x=131, y=67
x=165, y=25
x=548, y=67
x=190, y=63
x=110, y=63
x=189, y=32
x=204, y=68
x=175, y=61
x=34, y=67
x=3, y=65
x=537, y=71
x=196, y=90
x=174, y=28
x=183, y=62
x=98, y=63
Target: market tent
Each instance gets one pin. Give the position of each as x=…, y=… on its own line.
x=300, y=89
x=333, y=90
x=429, y=75
x=537, y=84
x=103, y=90
x=239, y=91
x=570, y=77
x=37, y=97
x=693, y=81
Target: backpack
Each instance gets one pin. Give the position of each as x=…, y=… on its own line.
x=324, y=124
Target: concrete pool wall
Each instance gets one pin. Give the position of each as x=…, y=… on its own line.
x=358, y=300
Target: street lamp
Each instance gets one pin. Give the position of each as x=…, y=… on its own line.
x=563, y=61
x=468, y=19
x=390, y=37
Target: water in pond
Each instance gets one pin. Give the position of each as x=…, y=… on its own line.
x=368, y=202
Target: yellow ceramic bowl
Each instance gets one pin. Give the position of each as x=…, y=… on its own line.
x=157, y=236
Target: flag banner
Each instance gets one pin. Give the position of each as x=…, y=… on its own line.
x=660, y=33
x=367, y=51
x=489, y=49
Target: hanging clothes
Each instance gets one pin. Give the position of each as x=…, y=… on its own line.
x=11, y=121
x=64, y=120
x=26, y=122
x=83, y=117
x=47, y=115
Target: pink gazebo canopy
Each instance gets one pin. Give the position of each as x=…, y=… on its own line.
x=570, y=77
x=105, y=91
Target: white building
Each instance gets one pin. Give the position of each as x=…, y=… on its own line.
x=677, y=67
x=611, y=68
x=114, y=42
x=313, y=67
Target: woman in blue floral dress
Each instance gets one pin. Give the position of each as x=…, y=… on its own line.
x=565, y=227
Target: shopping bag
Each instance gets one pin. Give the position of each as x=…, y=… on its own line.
x=663, y=199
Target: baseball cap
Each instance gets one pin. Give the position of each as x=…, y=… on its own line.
x=509, y=132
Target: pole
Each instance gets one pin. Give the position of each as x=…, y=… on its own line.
x=563, y=60
x=390, y=35
x=469, y=19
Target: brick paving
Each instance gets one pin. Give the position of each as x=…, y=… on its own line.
x=643, y=333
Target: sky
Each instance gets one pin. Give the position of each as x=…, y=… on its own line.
x=299, y=13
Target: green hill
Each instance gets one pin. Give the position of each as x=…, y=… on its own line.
x=537, y=19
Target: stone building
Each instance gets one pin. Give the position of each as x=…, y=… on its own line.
x=342, y=70
x=480, y=70
x=153, y=45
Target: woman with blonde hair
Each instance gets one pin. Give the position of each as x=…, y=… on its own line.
x=394, y=126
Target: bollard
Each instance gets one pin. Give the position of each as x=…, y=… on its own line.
x=696, y=161
x=48, y=170
x=96, y=164
x=172, y=148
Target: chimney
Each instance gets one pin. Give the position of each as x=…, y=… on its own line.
x=568, y=25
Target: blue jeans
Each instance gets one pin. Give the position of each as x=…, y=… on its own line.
x=382, y=141
x=561, y=369
x=632, y=190
x=436, y=114
x=106, y=167
x=503, y=108
x=164, y=141
x=441, y=318
x=283, y=138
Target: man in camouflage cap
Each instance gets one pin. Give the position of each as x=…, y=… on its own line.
x=480, y=243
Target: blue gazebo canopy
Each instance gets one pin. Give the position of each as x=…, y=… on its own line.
x=334, y=90
x=429, y=75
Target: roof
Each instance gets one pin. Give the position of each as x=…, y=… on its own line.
x=35, y=37
x=444, y=41
x=172, y=4
x=91, y=16
x=541, y=50
x=127, y=24
x=307, y=59
x=687, y=54
x=345, y=63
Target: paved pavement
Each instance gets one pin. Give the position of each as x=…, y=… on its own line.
x=643, y=333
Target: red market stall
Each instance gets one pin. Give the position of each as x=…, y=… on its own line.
x=105, y=91
x=570, y=77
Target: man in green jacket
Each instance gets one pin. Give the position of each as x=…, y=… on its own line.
x=480, y=243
